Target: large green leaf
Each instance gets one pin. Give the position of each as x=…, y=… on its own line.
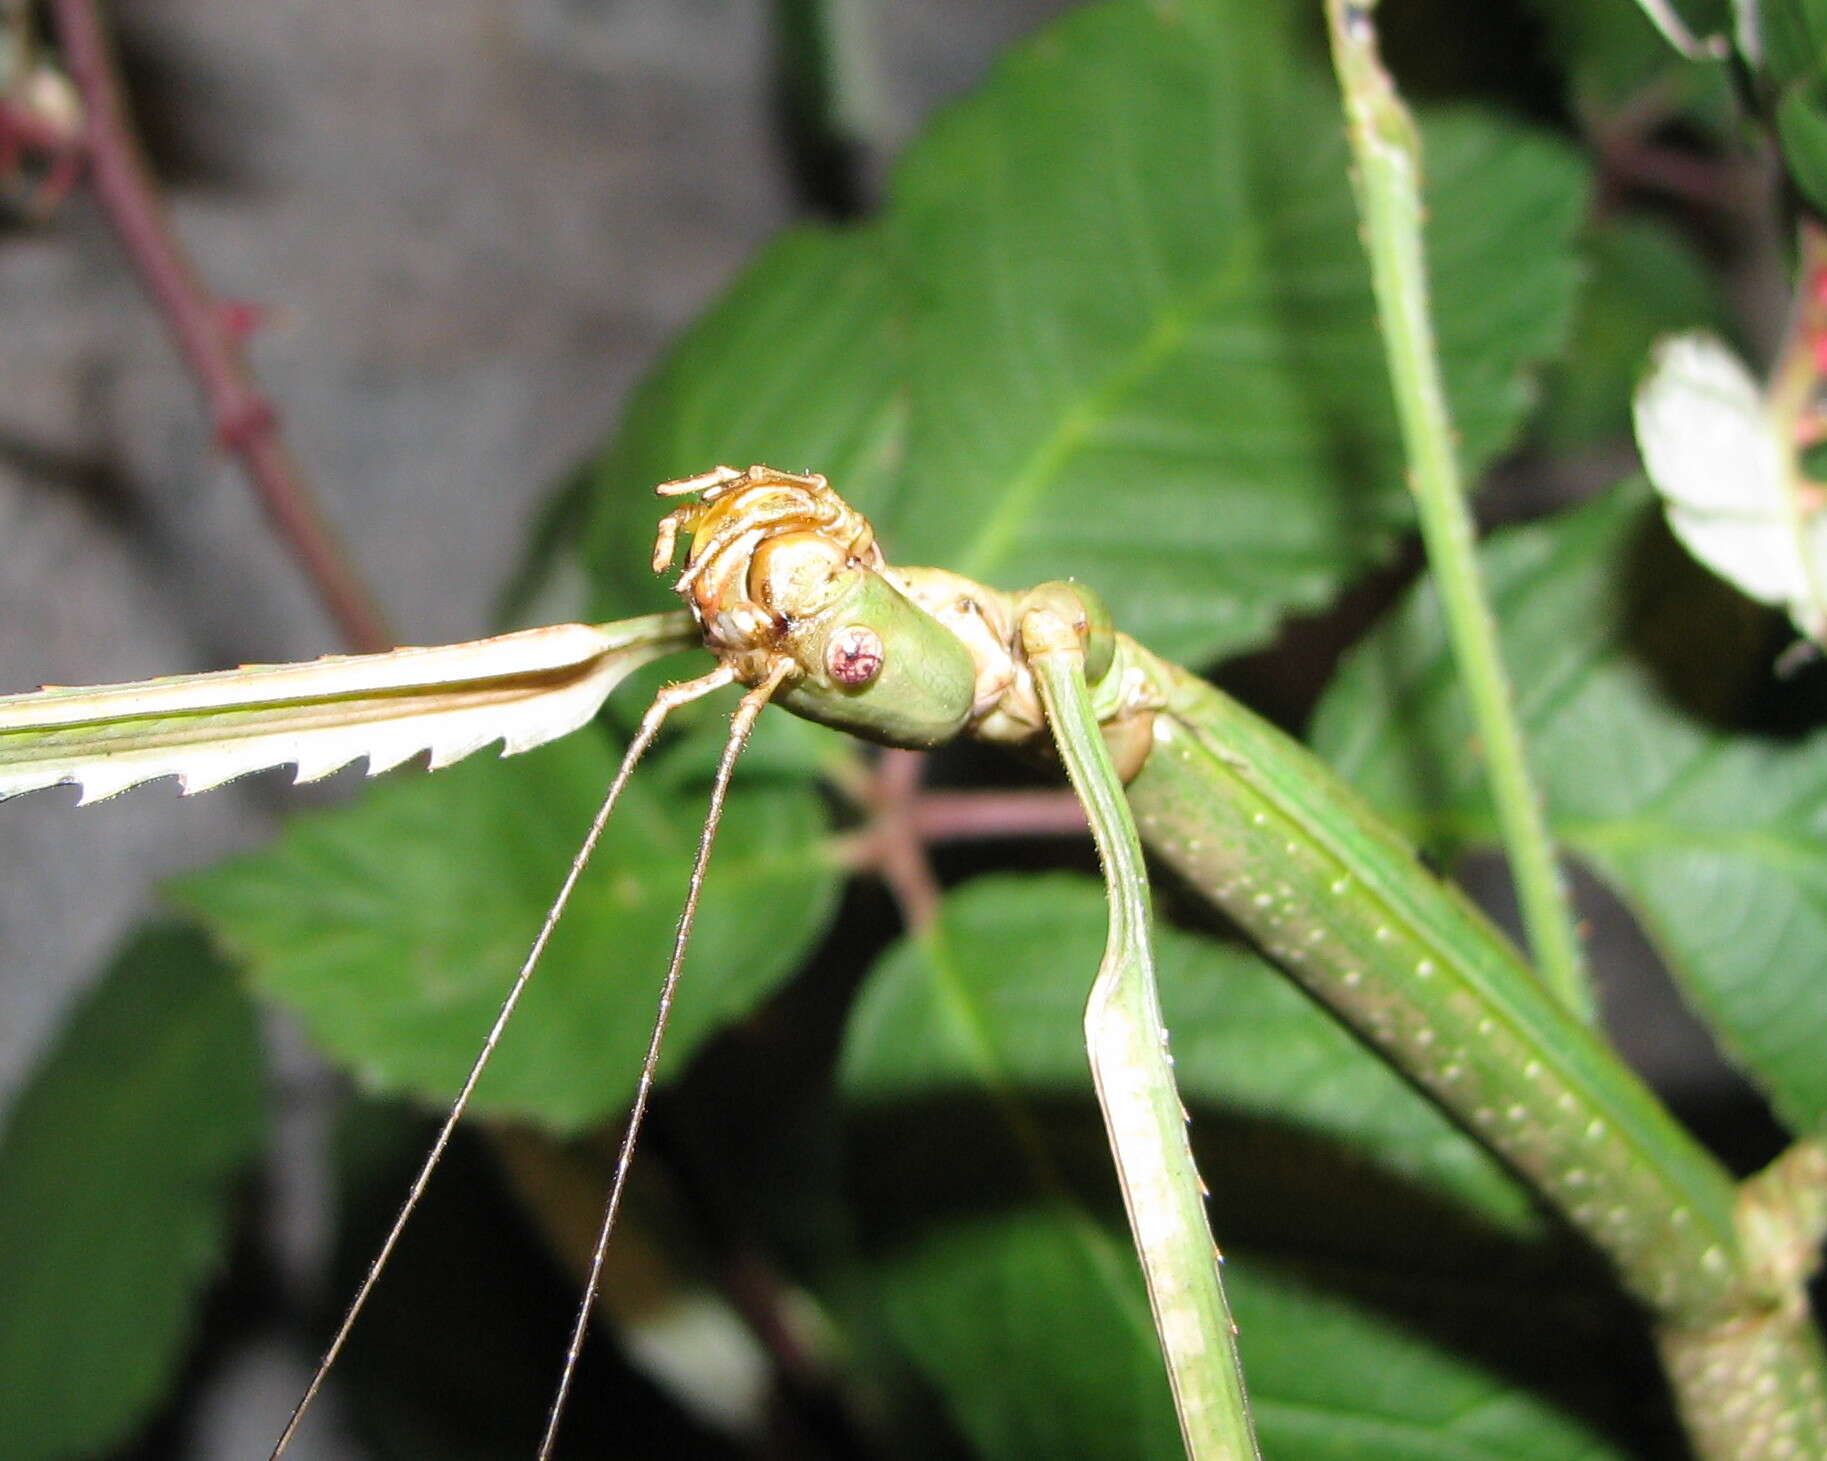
x=1143, y=347
x=393, y=928
x=117, y=1173
x=994, y=1234
x=1714, y=839
x=1794, y=34
x=1115, y=323
x=797, y=367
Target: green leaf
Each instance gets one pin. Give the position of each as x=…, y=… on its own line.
x=1245, y=1040
x=1646, y=282
x=797, y=366
x=1115, y=323
x=117, y=1173
x=1144, y=351
x=994, y=1230
x=1795, y=55
x=1421, y=1370
x=1794, y=38
x=1615, y=644
x=393, y=928
x=1801, y=128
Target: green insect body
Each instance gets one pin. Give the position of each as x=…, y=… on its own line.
x=1346, y=909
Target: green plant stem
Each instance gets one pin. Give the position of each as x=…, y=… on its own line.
x=1386, y=177
x=1752, y=1387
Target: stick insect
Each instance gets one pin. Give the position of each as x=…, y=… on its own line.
x=786, y=586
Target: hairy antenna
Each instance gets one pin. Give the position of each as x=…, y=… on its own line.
x=668, y=700
x=742, y=721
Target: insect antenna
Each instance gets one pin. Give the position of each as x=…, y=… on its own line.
x=667, y=700
x=741, y=723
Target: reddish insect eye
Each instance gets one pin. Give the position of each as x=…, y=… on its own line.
x=853, y=657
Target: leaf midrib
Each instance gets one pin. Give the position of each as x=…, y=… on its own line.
x=1169, y=332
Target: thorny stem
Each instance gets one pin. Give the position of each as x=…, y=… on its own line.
x=245, y=422
x=1386, y=177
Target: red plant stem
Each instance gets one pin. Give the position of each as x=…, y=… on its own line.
x=1681, y=175
x=245, y=423
x=899, y=854
x=906, y=821
x=959, y=816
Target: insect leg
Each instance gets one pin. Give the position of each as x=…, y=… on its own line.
x=703, y=481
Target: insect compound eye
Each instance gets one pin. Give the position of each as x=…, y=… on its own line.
x=853, y=655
